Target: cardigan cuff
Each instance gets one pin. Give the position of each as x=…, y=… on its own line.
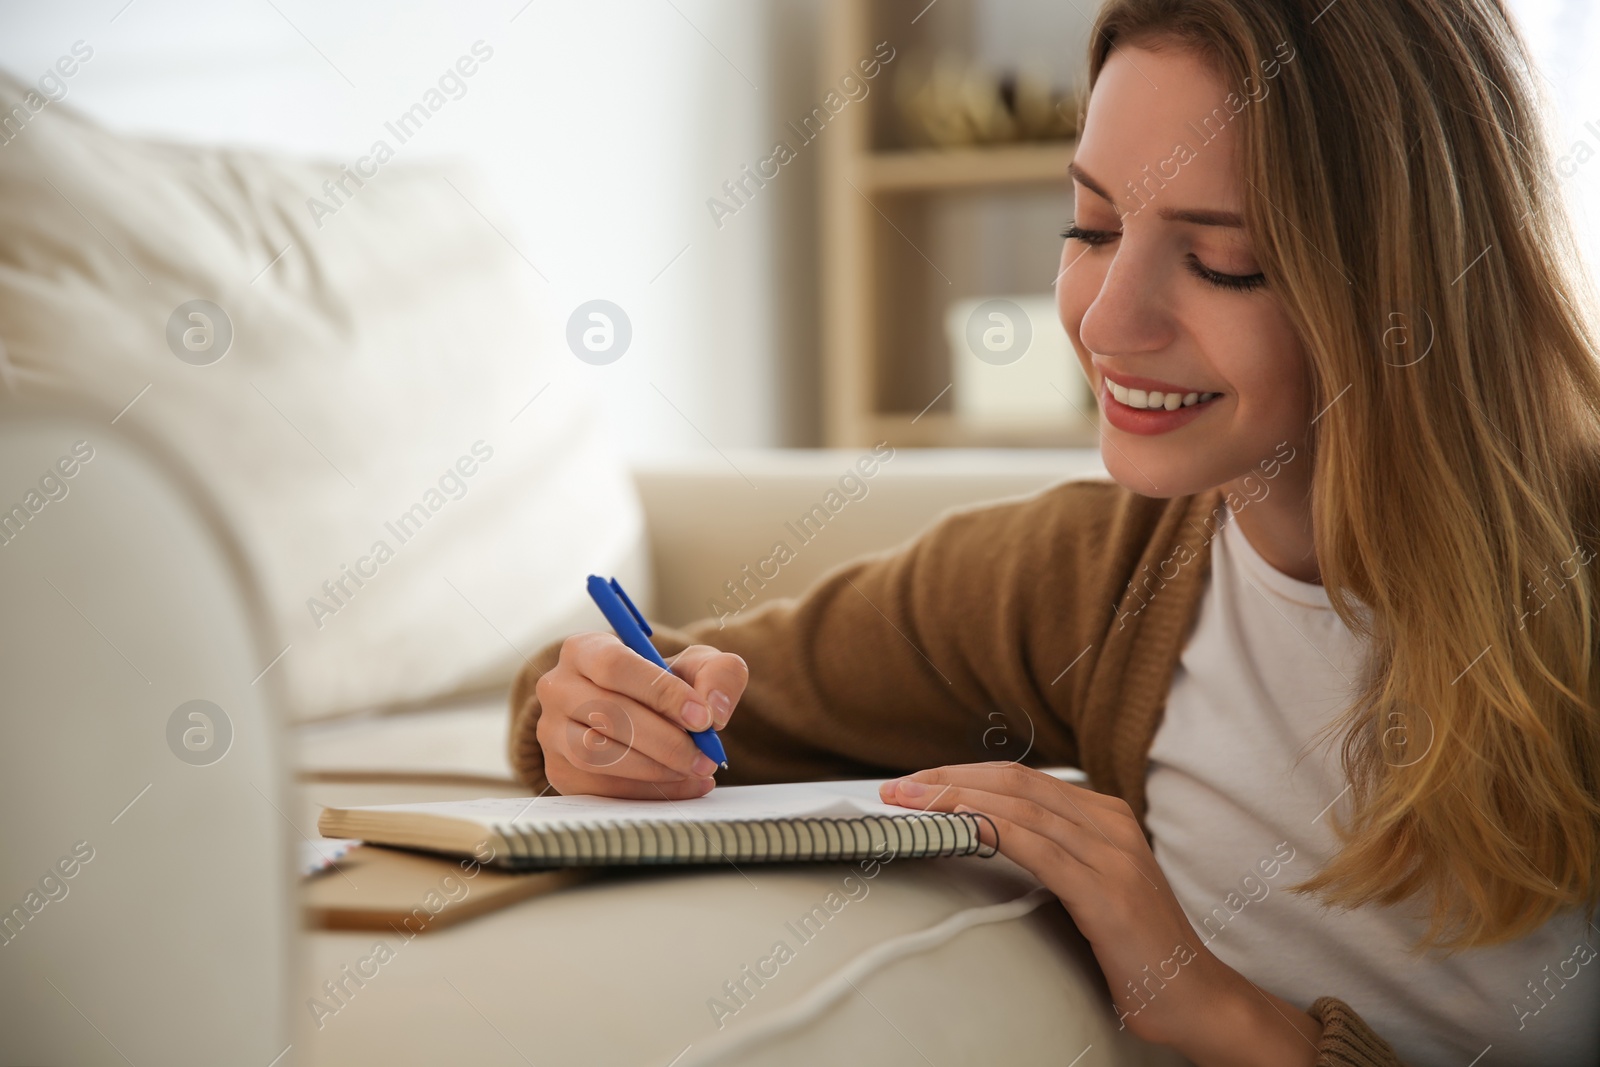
x=527, y=755
x=1347, y=1041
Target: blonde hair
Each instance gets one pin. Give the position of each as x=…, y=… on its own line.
x=1398, y=187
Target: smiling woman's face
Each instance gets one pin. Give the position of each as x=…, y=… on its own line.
x=1160, y=291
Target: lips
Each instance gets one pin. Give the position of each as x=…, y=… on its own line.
x=1150, y=420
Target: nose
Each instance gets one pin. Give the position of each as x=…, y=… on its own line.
x=1131, y=313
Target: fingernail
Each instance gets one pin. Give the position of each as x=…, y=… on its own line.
x=721, y=707
x=911, y=787
x=696, y=716
x=703, y=765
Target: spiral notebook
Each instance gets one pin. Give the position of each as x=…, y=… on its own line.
x=787, y=822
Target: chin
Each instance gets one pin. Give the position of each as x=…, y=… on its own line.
x=1168, y=482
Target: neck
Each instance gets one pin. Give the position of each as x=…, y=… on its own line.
x=1278, y=525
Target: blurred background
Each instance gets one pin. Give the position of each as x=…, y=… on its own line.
x=601, y=131
x=604, y=131
x=340, y=342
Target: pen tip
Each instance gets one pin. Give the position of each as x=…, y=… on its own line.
x=724, y=764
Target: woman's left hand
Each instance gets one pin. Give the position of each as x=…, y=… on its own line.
x=1091, y=852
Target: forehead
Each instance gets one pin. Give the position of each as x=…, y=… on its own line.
x=1162, y=119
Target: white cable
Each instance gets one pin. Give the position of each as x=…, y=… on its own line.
x=817, y=999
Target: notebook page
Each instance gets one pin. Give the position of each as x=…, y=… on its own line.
x=785, y=800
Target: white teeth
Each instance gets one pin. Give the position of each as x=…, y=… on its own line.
x=1151, y=400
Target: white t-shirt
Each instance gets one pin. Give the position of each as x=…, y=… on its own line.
x=1234, y=822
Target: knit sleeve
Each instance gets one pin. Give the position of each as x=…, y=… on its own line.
x=918, y=656
x=1347, y=1041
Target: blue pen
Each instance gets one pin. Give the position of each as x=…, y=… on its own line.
x=634, y=632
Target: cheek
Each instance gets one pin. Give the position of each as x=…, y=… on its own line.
x=1286, y=370
x=1262, y=360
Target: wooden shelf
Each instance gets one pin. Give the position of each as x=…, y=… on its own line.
x=934, y=169
x=896, y=253
x=943, y=430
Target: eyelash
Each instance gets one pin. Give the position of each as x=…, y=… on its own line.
x=1239, y=283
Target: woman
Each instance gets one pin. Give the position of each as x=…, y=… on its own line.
x=1327, y=648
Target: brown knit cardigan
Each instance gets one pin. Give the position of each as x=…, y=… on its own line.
x=1059, y=616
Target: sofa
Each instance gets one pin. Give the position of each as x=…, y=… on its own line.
x=213, y=414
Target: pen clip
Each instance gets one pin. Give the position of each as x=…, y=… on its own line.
x=635, y=611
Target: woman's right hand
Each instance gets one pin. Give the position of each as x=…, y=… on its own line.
x=613, y=724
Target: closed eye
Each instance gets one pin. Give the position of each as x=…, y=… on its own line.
x=1238, y=283
x=1074, y=232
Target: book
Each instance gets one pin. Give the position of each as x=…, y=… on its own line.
x=409, y=893
x=783, y=822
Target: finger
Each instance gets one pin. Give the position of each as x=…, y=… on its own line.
x=931, y=788
x=589, y=750
x=1083, y=844
x=1093, y=896
x=718, y=677
x=612, y=665
x=1043, y=857
x=1067, y=799
x=576, y=780
x=1108, y=841
x=603, y=728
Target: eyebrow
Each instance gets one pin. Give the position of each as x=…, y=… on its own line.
x=1197, y=216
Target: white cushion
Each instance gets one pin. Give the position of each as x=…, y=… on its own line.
x=367, y=361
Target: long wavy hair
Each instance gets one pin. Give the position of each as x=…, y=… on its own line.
x=1401, y=200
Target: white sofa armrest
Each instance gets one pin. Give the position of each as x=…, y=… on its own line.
x=710, y=517
x=661, y=966
x=148, y=863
